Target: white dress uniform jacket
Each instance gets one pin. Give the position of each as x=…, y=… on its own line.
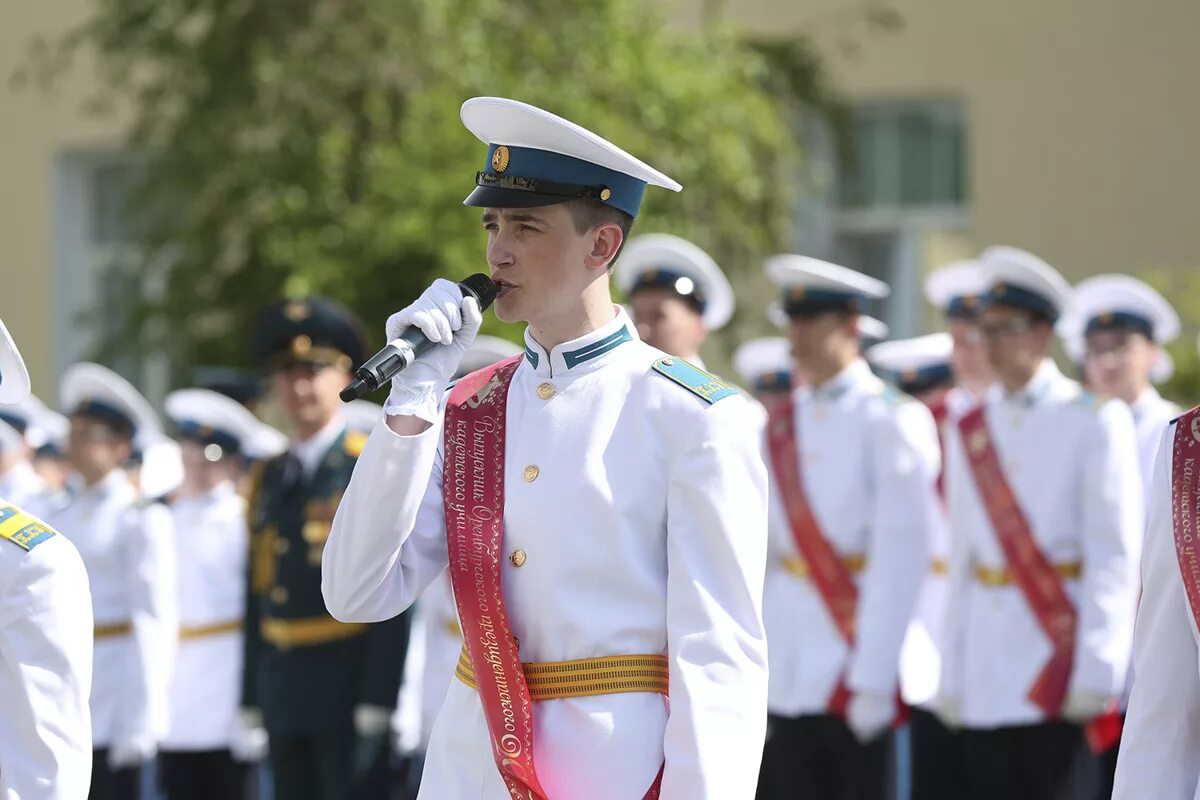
x=1162, y=729
x=211, y=546
x=644, y=529
x=434, y=646
x=921, y=655
x=45, y=672
x=869, y=462
x=1151, y=413
x=24, y=488
x=1071, y=460
x=129, y=555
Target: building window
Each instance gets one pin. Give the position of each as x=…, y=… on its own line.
x=904, y=156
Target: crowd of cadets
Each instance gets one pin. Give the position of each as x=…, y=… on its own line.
x=954, y=533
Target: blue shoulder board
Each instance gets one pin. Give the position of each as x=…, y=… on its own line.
x=708, y=388
x=21, y=529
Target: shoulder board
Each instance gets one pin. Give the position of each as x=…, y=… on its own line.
x=21, y=529
x=354, y=444
x=708, y=388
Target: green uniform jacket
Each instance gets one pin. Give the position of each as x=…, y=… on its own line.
x=303, y=669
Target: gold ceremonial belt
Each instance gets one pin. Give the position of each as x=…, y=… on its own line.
x=214, y=629
x=585, y=677
x=855, y=562
x=1002, y=576
x=285, y=633
x=112, y=630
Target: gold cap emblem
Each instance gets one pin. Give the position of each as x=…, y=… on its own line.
x=500, y=158
x=296, y=311
x=301, y=345
x=605, y=193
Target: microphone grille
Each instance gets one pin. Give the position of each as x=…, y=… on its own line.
x=480, y=287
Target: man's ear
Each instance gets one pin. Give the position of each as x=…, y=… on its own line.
x=607, y=239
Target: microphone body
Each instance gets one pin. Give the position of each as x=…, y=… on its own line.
x=399, y=353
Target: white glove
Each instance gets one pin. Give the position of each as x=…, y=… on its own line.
x=131, y=752
x=870, y=714
x=949, y=711
x=446, y=318
x=248, y=739
x=1083, y=706
x=372, y=720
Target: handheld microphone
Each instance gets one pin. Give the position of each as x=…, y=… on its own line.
x=399, y=353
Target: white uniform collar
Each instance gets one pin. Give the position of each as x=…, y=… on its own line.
x=835, y=387
x=113, y=482
x=1145, y=401
x=1038, y=387
x=583, y=354
x=311, y=450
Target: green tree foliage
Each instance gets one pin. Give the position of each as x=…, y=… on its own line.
x=314, y=146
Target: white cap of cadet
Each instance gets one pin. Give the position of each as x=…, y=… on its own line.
x=660, y=260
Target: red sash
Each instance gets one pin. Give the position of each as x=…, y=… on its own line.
x=473, y=498
x=1032, y=572
x=826, y=569
x=1185, y=494
x=940, y=411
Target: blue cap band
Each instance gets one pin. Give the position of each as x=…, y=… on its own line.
x=1108, y=321
x=1003, y=294
x=801, y=301
x=669, y=279
x=16, y=423
x=206, y=435
x=554, y=178
x=915, y=381
x=779, y=381
x=108, y=414
x=963, y=306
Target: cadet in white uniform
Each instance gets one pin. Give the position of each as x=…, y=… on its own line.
x=634, y=511
x=957, y=290
x=217, y=435
x=863, y=504
x=1045, y=582
x=45, y=643
x=1124, y=324
x=922, y=367
x=1162, y=731
x=677, y=292
x=1120, y=324
x=129, y=554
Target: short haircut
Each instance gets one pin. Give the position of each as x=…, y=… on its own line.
x=587, y=213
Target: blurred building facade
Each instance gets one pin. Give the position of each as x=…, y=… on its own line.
x=1065, y=128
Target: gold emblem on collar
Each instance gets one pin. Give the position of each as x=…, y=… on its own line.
x=500, y=158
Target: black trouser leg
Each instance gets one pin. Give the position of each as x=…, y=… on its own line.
x=818, y=757
x=1048, y=761
x=939, y=770
x=113, y=784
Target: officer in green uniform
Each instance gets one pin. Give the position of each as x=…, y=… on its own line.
x=323, y=690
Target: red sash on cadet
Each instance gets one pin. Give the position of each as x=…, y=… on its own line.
x=826, y=569
x=473, y=498
x=1032, y=572
x=1185, y=492
x=940, y=411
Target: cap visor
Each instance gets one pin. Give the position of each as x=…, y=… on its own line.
x=497, y=197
